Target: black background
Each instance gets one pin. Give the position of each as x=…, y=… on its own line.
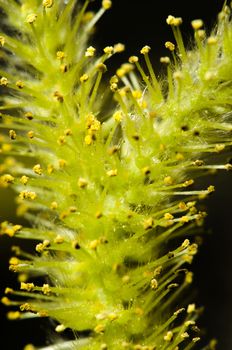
x=139, y=23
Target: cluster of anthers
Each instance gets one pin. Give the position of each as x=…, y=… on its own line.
x=109, y=191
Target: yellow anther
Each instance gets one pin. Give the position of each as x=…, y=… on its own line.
x=191, y=308
x=168, y=180
x=63, y=68
x=121, y=72
x=6, y=147
x=22, y=277
x=41, y=246
x=189, y=277
x=12, y=134
x=9, y=231
x=92, y=123
x=88, y=139
x=201, y=34
x=99, y=329
x=191, y=204
x=3, y=81
x=31, y=18
x=197, y=24
x=27, y=195
x=84, y=78
x=16, y=228
x=146, y=170
x=174, y=21
x=184, y=219
x=29, y=347
x=213, y=344
x=114, y=79
x=42, y=313
x=137, y=94
x=128, y=67
x=179, y=311
x=148, y=223
x=198, y=162
x=31, y=134
x=72, y=209
x=192, y=249
x=16, y=249
x=188, y=183
x=158, y=271
x=189, y=323
x=154, y=283
x=14, y=260
x=6, y=180
x=219, y=148
x=27, y=286
x=37, y=169
x=26, y=307
x=63, y=215
x=60, y=55
x=118, y=116
x=101, y=67
x=184, y=335
x=228, y=166
x=211, y=189
x=178, y=75
x=61, y=140
x=182, y=206
x=112, y=172
x=169, y=45
x=20, y=84
x=8, y=290
x=94, y=244
x=212, y=40
x=119, y=48
x=113, y=87
x=196, y=339
x=109, y=50
x=28, y=115
x=168, y=336
x=2, y=40
x=46, y=289
x=82, y=183
x=13, y=315
x=54, y=205
x=59, y=239
x=165, y=60
x=60, y=328
x=50, y=169
x=59, y=97
x=106, y=4
x=5, y=301
x=48, y=3
x=185, y=244
x=113, y=150
x=133, y=59
x=62, y=163
x=68, y=132
x=209, y=75
x=168, y=216
x=125, y=279
x=87, y=16
x=90, y=51
x=179, y=156
x=145, y=50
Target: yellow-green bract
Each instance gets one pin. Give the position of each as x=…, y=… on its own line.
x=105, y=172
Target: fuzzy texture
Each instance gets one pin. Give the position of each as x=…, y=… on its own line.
x=106, y=175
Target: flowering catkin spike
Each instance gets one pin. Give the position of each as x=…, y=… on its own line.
x=108, y=183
